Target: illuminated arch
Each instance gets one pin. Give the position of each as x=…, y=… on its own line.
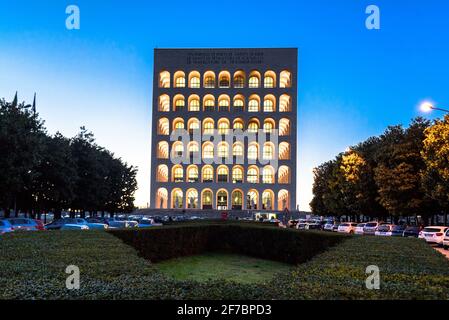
x=224, y=102
x=209, y=103
x=193, y=125
x=207, y=197
x=284, y=151
x=163, y=127
x=284, y=103
x=238, y=103
x=253, y=151
x=177, y=149
x=268, y=151
x=239, y=79
x=253, y=125
x=208, y=126
x=285, y=79
x=270, y=79
x=254, y=103
x=238, y=149
x=238, y=124
x=223, y=126
x=222, y=199
x=192, y=199
x=284, y=127
x=177, y=197
x=268, y=200
x=283, y=200
x=237, y=199
x=209, y=79
x=268, y=175
x=177, y=173
x=162, y=173
x=254, y=79
x=284, y=175
x=194, y=80
x=178, y=124
x=208, y=150
x=252, y=175
x=269, y=103
x=162, y=150
x=179, y=102
x=269, y=125
x=179, y=79
x=161, y=198
x=223, y=149
x=207, y=174
x=164, y=79
x=194, y=103
x=237, y=174
x=193, y=148
x=224, y=79
x=164, y=103
x=222, y=174
x=252, y=198
x=192, y=173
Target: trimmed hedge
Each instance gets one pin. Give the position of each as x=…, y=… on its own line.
x=264, y=242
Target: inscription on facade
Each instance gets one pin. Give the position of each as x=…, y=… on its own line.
x=231, y=57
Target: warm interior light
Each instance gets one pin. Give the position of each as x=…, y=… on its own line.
x=426, y=107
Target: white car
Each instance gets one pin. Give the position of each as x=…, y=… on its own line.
x=359, y=228
x=433, y=234
x=371, y=228
x=446, y=240
x=347, y=227
x=385, y=230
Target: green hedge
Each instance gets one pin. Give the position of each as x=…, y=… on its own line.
x=264, y=242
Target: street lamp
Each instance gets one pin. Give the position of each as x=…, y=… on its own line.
x=428, y=107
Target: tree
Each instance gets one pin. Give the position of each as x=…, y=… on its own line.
x=435, y=154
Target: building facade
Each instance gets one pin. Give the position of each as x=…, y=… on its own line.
x=224, y=129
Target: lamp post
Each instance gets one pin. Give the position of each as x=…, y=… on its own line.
x=428, y=107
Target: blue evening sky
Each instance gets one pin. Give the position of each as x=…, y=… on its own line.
x=352, y=82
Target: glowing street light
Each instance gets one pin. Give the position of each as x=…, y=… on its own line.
x=428, y=107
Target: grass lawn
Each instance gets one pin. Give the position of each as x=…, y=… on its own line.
x=216, y=266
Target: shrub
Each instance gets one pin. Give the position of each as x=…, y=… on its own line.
x=264, y=242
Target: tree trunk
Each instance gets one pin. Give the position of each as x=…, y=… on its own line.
x=58, y=214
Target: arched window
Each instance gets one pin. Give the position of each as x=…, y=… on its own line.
x=270, y=79
x=284, y=151
x=164, y=103
x=194, y=103
x=224, y=79
x=237, y=149
x=283, y=200
x=178, y=149
x=192, y=174
x=179, y=102
x=238, y=124
x=209, y=102
x=268, y=151
x=208, y=126
x=253, y=175
x=162, y=173
x=253, y=126
x=208, y=174
x=192, y=199
x=237, y=200
x=253, y=151
x=284, y=127
x=268, y=200
x=237, y=174
x=285, y=79
x=193, y=125
x=222, y=200
x=162, y=198
x=252, y=199
x=208, y=150
x=194, y=79
x=223, y=150
x=222, y=174
x=284, y=103
x=193, y=149
x=178, y=124
x=239, y=103
x=223, y=103
x=209, y=79
x=284, y=175
x=177, y=199
x=164, y=79
x=268, y=125
x=268, y=175
x=206, y=199
x=223, y=126
x=180, y=79
x=269, y=103
x=253, y=104
x=254, y=79
x=178, y=174
x=239, y=79
x=162, y=150
x=163, y=127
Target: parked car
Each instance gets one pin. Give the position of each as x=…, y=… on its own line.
x=146, y=223
x=359, y=228
x=60, y=224
x=446, y=240
x=5, y=227
x=335, y=226
x=121, y=223
x=411, y=232
x=40, y=225
x=385, y=230
x=330, y=225
x=433, y=234
x=292, y=223
x=347, y=227
x=398, y=231
x=370, y=228
x=23, y=224
x=74, y=227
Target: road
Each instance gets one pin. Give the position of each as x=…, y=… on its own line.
x=442, y=251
